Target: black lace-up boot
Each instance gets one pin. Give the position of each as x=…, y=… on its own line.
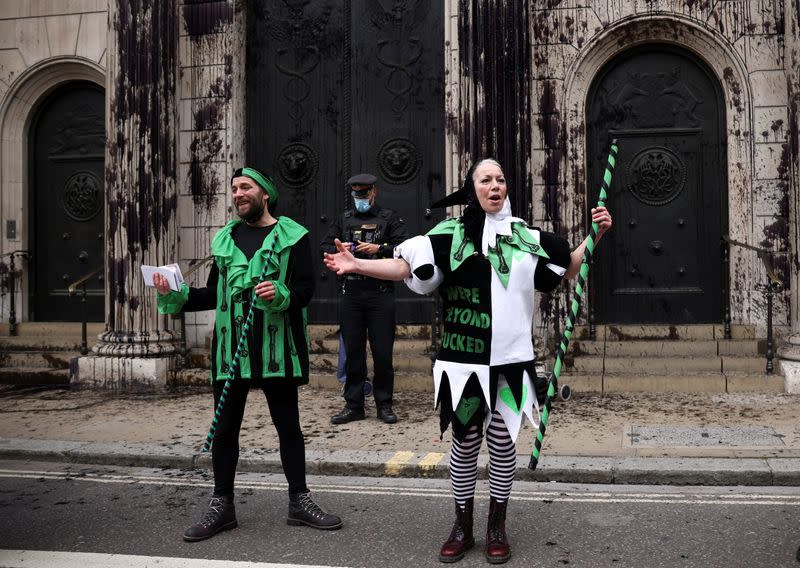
x=303, y=511
x=220, y=516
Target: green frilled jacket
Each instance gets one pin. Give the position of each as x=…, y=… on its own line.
x=277, y=343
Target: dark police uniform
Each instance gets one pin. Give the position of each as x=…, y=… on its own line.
x=367, y=308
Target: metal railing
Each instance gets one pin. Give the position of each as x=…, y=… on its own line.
x=11, y=284
x=774, y=283
x=73, y=288
x=181, y=317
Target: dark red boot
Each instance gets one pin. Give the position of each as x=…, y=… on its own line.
x=497, y=549
x=461, y=538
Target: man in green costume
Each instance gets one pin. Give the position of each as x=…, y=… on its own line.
x=275, y=357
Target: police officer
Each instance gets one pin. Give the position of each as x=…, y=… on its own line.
x=367, y=305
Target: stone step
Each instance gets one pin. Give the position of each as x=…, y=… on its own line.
x=688, y=382
x=415, y=346
x=403, y=382
x=325, y=337
x=625, y=332
x=611, y=332
x=34, y=376
x=404, y=361
x=742, y=347
x=644, y=365
x=414, y=356
x=402, y=331
x=748, y=364
x=44, y=343
x=423, y=332
x=610, y=382
x=577, y=349
x=409, y=355
x=37, y=359
x=62, y=329
x=666, y=348
x=665, y=365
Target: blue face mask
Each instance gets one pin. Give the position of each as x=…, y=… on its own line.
x=362, y=205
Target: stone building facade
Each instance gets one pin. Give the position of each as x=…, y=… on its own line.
x=702, y=97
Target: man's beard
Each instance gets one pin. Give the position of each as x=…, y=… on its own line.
x=254, y=213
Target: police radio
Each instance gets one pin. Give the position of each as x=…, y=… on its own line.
x=366, y=233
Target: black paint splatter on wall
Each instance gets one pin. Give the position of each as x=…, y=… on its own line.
x=207, y=22
x=495, y=54
x=499, y=65
x=203, y=17
x=734, y=88
x=141, y=164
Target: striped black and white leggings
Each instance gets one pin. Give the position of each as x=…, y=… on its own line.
x=502, y=461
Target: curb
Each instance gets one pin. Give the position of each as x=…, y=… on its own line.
x=564, y=469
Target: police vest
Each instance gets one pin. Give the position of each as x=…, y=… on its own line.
x=367, y=227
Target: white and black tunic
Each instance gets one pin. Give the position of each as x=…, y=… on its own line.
x=486, y=358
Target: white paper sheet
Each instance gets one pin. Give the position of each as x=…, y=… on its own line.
x=172, y=272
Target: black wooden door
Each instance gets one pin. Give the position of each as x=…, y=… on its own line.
x=337, y=87
x=662, y=263
x=67, y=199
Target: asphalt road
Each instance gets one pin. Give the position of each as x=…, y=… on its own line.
x=73, y=510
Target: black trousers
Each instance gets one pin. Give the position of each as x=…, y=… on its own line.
x=282, y=402
x=368, y=313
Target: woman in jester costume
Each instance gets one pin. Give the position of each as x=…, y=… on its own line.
x=486, y=265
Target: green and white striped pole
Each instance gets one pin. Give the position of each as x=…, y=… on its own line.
x=575, y=306
x=236, y=355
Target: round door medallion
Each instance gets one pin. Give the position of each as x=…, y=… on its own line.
x=297, y=164
x=82, y=196
x=398, y=160
x=657, y=175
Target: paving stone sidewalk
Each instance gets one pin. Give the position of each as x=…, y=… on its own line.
x=714, y=439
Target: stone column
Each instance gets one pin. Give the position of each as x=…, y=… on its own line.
x=790, y=352
x=136, y=350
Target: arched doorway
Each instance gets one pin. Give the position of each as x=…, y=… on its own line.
x=67, y=145
x=662, y=262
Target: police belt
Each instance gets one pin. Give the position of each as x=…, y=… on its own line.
x=361, y=282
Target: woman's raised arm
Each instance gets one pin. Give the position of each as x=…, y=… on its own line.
x=343, y=262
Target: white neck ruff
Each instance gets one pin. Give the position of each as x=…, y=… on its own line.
x=497, y=224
